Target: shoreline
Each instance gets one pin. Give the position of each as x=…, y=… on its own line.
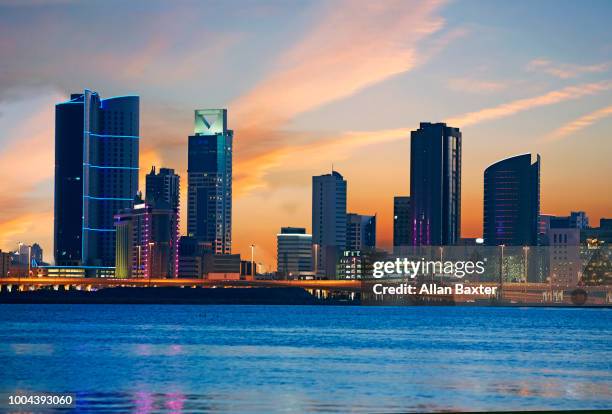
x=228, y=296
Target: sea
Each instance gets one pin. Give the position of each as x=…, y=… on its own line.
x=317, y=359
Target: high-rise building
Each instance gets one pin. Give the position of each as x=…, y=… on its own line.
x=24, y=254
x=360, y=232
x=328, y=221
x=5, y=261
x=512, y=202
x=96, y=174
x=294, y=253
x=209, y=181
x=401, y=221
x=163, y=186
x=147, y=241
x=562, y=241
x=435, y=185
x=68, y=200
x=36, y=254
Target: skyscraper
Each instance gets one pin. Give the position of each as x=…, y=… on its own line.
x=68, y=199
x=401, y=221
x=96, y=174
x=512, y=202
x=360, y=232
x=435, y=185
x=294, y=253
x=328, y=221
x=209, y=181
x=163, y=186
x=163, y=198
x=147, y=241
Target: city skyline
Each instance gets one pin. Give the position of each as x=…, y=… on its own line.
x=550, y=98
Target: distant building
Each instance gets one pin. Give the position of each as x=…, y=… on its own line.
x=190, y=258
x=147, y=241
x=512, y=202
x=601, y=234
x=359, y=264
x=294, y=253
x=24, y=254
x=209, y=181
x=562, y=241
x=360, y=232
x=435, y=185
x=5, y=261
x=401, y=221
x=163, y=186
x=328, y=222
x=36, y=254
x=248, y=269
x=221, y=266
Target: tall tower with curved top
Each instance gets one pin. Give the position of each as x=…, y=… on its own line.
x=512, y=201
x=96, y=174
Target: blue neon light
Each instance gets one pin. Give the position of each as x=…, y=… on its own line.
x=91, y=229
x=113, y=136
x=109, y=198
x=110, y=167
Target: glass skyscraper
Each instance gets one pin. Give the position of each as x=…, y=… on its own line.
x=328, y=222
x=512, y=202
x=209, y=181
x=102, y=136
x=401, y=221
x=435, y=185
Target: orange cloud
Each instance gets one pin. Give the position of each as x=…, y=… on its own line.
x=470, y=85
x=521, y=105
x=354, y=45
x=580, y=123
x=565, y=70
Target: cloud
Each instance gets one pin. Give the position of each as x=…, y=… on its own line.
x=580, y=123
x=352, y=46
x=470, y=85
x=26, y=181
x=304, y=156
x=565, y=70
x=501, y=111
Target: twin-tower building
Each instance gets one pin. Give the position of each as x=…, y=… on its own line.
x=97, y=145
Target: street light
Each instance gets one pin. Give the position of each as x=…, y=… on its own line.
x=253, y=261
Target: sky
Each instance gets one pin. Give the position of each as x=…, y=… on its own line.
x=313, y=84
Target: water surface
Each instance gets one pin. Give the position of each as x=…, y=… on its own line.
x=149, y=358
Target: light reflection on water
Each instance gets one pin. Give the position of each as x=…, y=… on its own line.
x=145, y=359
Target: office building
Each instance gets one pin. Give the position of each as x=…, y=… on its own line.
x=96, y=175
x=294, y=253
x=435, y=185
x=401, y=221
x=5, y=261
x=512, y=202
x=328, y=222
x=36, y=254
x=562, y=241
x=190, y=258
x=163, y=186
x=221, y=266
x=360, y=232
x=68, y=197
x=147, y=241
x=209, y=181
